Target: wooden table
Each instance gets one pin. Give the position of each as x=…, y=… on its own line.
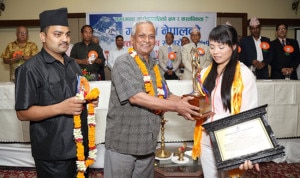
x=282, y=97
x=177, y=172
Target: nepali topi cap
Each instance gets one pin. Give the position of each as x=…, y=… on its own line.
x=254, y=22
x=54, y=17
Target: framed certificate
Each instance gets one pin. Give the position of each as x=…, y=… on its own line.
x=244, y=136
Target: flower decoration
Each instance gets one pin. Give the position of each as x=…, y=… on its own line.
x=93, y=55
x=201, y=51
x=288, y=49
x=172, y=56
x=162, y=91
x=239, y=49
x=84, y=93
x=264, y=46
x=86, y=74
x=17, y=53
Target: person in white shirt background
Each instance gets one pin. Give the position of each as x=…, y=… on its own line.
x=119, y=50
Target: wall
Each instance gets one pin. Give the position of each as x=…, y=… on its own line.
x=30, y=9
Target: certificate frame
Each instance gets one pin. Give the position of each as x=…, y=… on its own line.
x=244, y=136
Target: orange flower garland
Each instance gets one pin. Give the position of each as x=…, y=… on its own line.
x=82, y=163
x=147, y=79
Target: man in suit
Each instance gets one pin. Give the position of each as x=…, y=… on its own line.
x=168, y=65
x=255, y=50
x=285, y=54
x=205, y=59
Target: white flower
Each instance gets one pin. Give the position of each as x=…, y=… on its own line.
x=133, y=54
x=91, y=119
x=160, y=91
x=77, y=134
x=80, y=95
x=93, y=154
x=81, y=166
x=147, y=78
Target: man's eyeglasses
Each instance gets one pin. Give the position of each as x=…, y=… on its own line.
x=22, y=33
x=281, y=29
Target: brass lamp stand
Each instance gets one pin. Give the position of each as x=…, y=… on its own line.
x=161, y=152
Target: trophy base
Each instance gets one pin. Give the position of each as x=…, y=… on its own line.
x=203, y=103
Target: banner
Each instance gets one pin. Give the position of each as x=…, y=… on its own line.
x=108, y=25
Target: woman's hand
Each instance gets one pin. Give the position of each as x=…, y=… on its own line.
x=248, y=165
x=95, y=102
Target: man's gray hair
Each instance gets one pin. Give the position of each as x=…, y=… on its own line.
x=133, y=31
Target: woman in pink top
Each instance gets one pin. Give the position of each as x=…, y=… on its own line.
x=232, y=88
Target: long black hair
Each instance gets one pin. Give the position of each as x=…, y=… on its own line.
x=224, y=34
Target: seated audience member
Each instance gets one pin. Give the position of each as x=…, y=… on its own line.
x=80, y=53
x=118, y=51
x=205, y=59
x=95, y=40
x=184, y=40
x=285, y=54
x=255, y=50
x=168, y=65
x=19, y=51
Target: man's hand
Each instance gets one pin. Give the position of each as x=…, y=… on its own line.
x=72, y=106
x=83, y=61
x=260, y=65
x=95, y=102
x=286, y=71
x=187, y=110
x=98, y=61
x=255, y=63
x=170, y=72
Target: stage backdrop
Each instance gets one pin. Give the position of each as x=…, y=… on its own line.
x=108, y=25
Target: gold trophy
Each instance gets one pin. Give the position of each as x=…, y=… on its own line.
x=201, y=97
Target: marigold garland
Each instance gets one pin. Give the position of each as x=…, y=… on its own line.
x=83, y=93
x=161, y=93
